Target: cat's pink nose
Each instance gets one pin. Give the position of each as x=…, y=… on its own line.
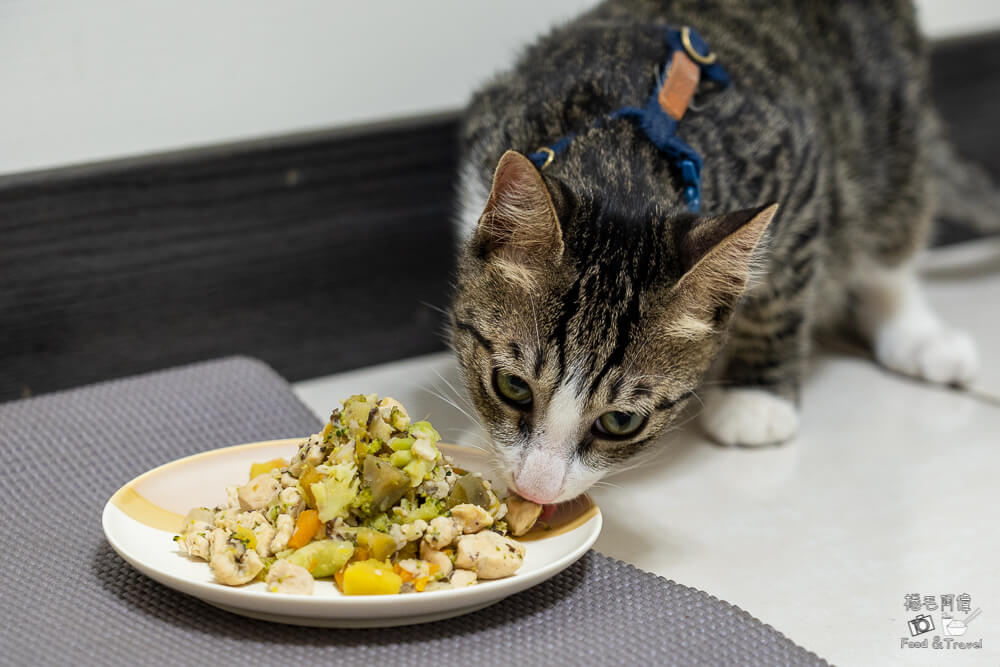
x=533, y=498
x=540, y=478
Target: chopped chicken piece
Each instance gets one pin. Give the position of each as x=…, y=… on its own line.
x=490, y=554
x=292, y=501
x=436, y=557
x=463, y=578
x=407, y=532
x=285, y=577
x=232, y=562
x=423, y=449
x=259, y=492
x=196, y=539
x=472, y=518
x=441, y=532
x=285, y=527
x=262, y=530
x=521, y=515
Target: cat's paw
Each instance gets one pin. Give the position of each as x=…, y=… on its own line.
x=749, y=417
x=932, y=353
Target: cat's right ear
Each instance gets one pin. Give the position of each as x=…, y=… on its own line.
x=717, y=255
x=519, y=228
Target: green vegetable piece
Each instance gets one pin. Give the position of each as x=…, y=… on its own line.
x=357, y=409
x=417, y=469
x=380, y=546
x=411, y=550
x=335, y=495
x=408, y=511
x=429, y=509
x=424, y=430
x=381, y=523
x=470, y=489
x=401, y=458
x=400, y=444
x=387, y=483
x=398, y=419
x=323, y=558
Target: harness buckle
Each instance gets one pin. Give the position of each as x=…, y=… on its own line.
x=550, y=155
x=707, y=59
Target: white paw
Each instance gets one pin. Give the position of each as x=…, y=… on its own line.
x=750, y=417
x=932, y=353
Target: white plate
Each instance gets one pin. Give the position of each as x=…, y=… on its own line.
x=141, y=519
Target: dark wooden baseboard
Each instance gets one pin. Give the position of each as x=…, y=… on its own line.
x=316, y=253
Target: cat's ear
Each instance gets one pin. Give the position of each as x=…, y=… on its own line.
x=716, y=254
x=519, y=226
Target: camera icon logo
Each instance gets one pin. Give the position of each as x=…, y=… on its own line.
x=921, y=624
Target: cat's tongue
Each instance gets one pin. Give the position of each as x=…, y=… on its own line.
x=547, y=512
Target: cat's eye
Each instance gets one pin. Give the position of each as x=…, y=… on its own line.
x=618, y=424
x=512, y=389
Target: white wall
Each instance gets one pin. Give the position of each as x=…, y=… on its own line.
x=90, y=80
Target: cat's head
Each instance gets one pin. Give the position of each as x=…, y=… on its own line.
x=581, y=331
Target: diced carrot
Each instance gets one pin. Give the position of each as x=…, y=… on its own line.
x=338, y=578
x=421, y=583
x=433, y=568
x=403, y=573
x=306, y=527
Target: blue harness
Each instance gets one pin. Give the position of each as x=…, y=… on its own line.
x=659, y=126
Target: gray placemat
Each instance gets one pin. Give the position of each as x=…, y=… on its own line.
x=69, y=599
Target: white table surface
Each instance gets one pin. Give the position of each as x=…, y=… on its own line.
x=891, y=488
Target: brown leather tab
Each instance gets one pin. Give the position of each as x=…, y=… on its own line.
x=679, y=85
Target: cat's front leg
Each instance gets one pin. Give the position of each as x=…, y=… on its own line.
x=905, y=333
x=755, y=400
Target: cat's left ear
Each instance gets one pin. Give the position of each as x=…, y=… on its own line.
x=519, y=226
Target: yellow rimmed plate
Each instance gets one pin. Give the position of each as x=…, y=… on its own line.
x=141, y=519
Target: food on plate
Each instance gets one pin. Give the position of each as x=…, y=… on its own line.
x=521, y=515
x=369, y=501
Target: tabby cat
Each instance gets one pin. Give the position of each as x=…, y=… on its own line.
x=591, y=304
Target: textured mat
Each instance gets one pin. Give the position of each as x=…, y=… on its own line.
x=69, y=599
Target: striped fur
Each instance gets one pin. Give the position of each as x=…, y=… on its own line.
x=828, y=115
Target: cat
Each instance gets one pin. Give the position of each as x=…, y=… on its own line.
x=591, y=305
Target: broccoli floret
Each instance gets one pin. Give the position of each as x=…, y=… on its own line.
x=409, y=511
x=362, y=505
x=373, y=446
x=379, y=522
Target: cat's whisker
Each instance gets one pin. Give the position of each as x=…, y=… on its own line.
x=439, y=309
x=639, y=462
x=450, y=402
x=459, y=396
x=486, y=447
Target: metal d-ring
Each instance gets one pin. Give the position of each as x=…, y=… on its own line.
x=707, y=59
x=551, y=156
